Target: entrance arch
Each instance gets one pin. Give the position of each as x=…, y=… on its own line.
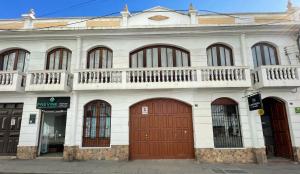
x=276, y=129
x=161, y=129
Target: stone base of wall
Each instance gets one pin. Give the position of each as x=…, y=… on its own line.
x=26, y=152
x=261, y=155
x=231, y=155
x=296, y=154
x=117, y=152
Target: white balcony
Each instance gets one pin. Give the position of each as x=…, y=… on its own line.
x=162, y=78
x=49, y=80
x=12, y=81
x=276, y=76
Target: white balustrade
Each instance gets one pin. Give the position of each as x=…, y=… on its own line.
x=163, y=77
x=49, y=80
x=99, y=76
x=154, y=75
x=224, y=74
x=276, y=76
x=12, y=81
x=6, y=78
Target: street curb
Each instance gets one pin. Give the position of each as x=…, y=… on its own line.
x=36, y=173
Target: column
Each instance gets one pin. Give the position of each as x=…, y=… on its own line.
x=244, y=58
x=71, y=131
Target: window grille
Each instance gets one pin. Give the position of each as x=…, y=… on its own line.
x=226, y=126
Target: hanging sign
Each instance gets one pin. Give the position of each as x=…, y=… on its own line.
x=254, y=102
x=144, y=110
x=53, y=103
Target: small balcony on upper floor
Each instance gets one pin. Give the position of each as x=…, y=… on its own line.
x=56, y=77
x=49, y=81
x=162, y=78
x=13, y=64
x=12, y=81
x=276, y=76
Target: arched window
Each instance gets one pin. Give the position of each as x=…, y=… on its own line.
x=264, y=54
x=159, y=56
x=96, y=126
x=100, y=57
x=219, y=55
x=226, y=123
x=16, y=59
x=59, y=59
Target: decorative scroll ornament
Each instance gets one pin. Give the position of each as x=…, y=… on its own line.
x=158, y=18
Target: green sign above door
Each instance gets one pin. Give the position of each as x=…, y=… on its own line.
x=52, y=103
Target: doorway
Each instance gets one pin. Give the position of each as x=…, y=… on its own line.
x=52, y=133
x=276, y=129
x=161, y=129
x=10, y=124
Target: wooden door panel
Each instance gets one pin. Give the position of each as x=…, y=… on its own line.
x=144, y=122
x=182, y=122
x=10, y=124
x=169, y=130
x=143, y=148
x=154, y=135
x=144, y=135
x=280, y=127
x=154, y=121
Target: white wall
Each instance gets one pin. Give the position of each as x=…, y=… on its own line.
x=122, y=46
x=121, y=100
x=203, y=134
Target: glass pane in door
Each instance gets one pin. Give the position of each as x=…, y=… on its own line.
x=53, y=133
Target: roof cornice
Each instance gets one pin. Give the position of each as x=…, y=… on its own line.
x=159, y=31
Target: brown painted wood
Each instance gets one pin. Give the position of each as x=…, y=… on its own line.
x=280, y=127
x=61, y=51
x=100, y=57
x=218, y=46
x=96, y=141
x=9, y=134
x=166, y=132
x=262, y=52
x=224, y=101
x=16, y=51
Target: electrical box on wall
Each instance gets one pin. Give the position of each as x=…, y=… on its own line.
x=32, y=118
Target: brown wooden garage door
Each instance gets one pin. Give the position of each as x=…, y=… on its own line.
x=161, y=129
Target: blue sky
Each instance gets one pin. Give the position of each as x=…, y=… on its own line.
x=61, y=8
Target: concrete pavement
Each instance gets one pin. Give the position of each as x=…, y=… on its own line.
x=47, y=166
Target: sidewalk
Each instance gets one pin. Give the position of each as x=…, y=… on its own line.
x=47, y=166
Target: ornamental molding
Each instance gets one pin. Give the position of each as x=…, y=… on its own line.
x=158, y=18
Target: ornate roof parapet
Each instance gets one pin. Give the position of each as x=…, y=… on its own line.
x=289, y=5
x=293, y=11
x=28, y=17
x=125, y=14
x=193, y=14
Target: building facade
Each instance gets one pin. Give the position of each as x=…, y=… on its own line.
x=158, y=84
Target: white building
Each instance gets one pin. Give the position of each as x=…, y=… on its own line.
x=158, y=84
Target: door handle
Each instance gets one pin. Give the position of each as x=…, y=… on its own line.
x=146, y=135
x=185, y=131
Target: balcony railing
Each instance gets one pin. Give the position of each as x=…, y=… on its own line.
x=12, y=81
x=276, y=76
x=157, y=78
x=49, y=80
